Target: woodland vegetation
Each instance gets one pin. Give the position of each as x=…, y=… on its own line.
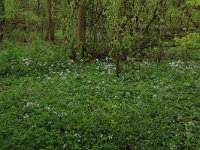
x=100, y=74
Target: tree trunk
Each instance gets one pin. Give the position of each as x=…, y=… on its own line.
x=38, y=7
x=51, y=30
x=82, y=26
x=2, y=20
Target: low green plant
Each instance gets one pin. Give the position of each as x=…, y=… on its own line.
x=84, y=106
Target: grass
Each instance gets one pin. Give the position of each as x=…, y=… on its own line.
x=63, y=105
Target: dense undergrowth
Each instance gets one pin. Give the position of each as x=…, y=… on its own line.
x=51, y=104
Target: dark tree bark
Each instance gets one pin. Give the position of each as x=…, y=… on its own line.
x=38, y=7
x=2, y=19
x=51, y=30
x=82, y=26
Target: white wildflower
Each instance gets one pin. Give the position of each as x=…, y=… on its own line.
x=26, y=116
x=26, y=61
x=47, y=108
x=32, y=105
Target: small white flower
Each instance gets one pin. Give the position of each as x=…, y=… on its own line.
x=190, y=123
x=187, y=84
x=155, y=96
x=61, y=73
x=89, y=81
x=26, y=116
x=128, y=94
x=65, y=146
x=26, y=61
x=114, y=106
x=48, y=78
x=31, y=105
x=180, y=117
x=146, y=63
x=47, y=108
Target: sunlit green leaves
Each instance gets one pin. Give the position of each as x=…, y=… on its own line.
x=194, y=2
x=190, y=41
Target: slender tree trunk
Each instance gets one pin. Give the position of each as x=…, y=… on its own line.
x=2, y=19
x=82, y=26
x=51, y=30
x=38, y=7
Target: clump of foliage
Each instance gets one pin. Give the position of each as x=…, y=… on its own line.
x=189, y=45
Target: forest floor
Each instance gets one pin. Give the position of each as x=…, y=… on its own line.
x=84, y=106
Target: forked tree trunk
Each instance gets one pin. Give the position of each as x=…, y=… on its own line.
x=51, y=30
x=82, y=26
x=2, y=19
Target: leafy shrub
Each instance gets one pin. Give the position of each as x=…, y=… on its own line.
x=190, y=45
